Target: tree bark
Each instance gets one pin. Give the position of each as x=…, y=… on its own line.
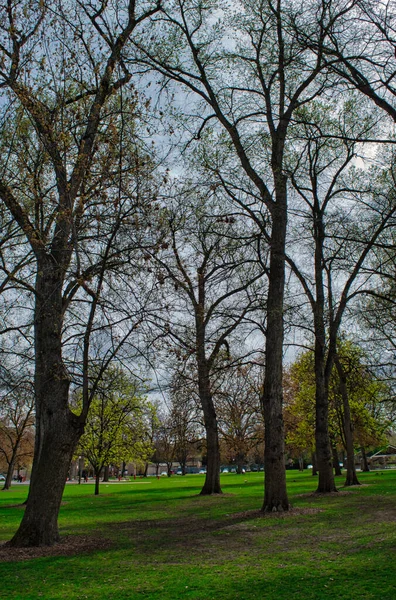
x=323, y=368
x=324, y=457
x=97, y=482
x=212, y=479
x=275, y=493
x=351, y=476
x=105, y=474
x=39, y=525
x=57, y=428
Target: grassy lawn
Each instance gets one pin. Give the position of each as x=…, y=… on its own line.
x=158, y=539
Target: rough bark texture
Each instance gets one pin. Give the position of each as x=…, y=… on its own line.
x=324, y=457
x=57, y=429
x=39, y=526
x=275, y=493
x=351, y=476
x=323, y=369
x=212, y=479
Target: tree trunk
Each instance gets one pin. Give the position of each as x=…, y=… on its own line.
x=39, y=525
x=106, y=474
x=275, y=493
x=326, y=481
x=336, y=462
x=323, y=452
x=10, y=470
x=212, y=478
x=366, y=467
x=314, y=464
x=57, y=428
x=351, y=477
x=97, y=482
x=322, y=367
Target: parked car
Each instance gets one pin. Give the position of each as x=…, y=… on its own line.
x=225, y=470
x=202, y=472
x=2, y=478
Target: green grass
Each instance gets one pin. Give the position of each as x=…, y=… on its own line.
x=158, y=539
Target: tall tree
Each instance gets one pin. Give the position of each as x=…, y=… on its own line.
x=344, y=216
x=114, y=431
x=60, y=66
x=245, y=77
x=356, y=404
x=209, y=275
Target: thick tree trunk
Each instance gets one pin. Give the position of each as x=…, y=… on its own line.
x=351, y=477
x=212, y=479
x=324, y=457
x=240, y=464
x=57, y=429
x=39, y=526
x=97, y=482
x=275, y=493
x=326, y=481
